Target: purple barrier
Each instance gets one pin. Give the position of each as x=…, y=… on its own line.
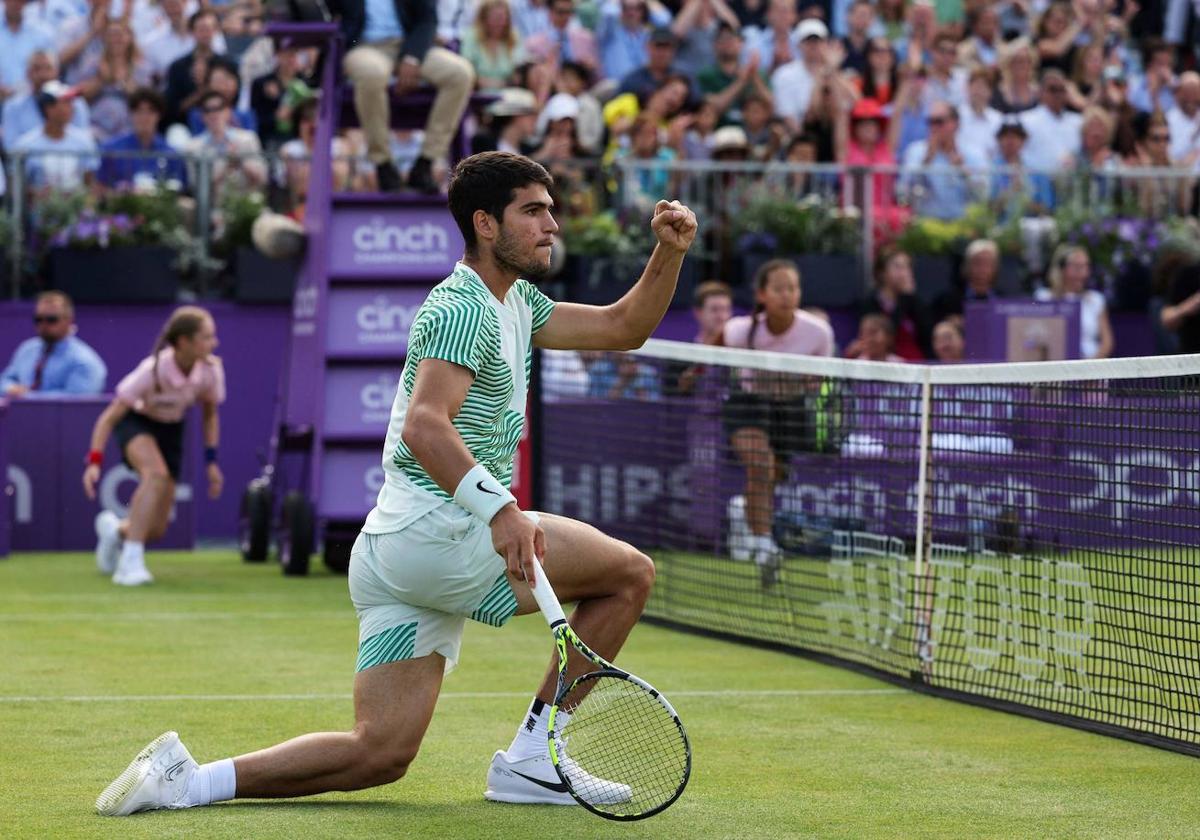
x=350, y=482
x=51, y=511
x=403, y=243
x=369, y=323
x=660, y=473
x=7, y=489
x=358, y=401
x=252, y=345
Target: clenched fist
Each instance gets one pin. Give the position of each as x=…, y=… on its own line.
x=674, y=225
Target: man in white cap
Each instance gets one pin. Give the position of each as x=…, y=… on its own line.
x=68, y=169
x=793, y=83
x=513, y=120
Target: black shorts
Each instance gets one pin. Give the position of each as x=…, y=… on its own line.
x=788, y=423
x=168, y=436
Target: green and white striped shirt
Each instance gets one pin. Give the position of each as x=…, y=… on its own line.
x=462, y=322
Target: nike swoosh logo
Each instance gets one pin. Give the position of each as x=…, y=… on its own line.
x=174, y=770
x=483, y=489
x=557, y=787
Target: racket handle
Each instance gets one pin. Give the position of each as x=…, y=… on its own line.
x=547, y=601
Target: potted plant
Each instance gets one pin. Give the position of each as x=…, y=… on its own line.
x=606, y=255
x=130, y=247
x=1122, y=248
x=822, y=238
x=256, y=277
x=936, y=247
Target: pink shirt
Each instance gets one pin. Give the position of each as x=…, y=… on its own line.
x=175, y=392
x=807, y=336
x=884, y=182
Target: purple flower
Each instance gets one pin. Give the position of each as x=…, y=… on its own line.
x=1127, y=229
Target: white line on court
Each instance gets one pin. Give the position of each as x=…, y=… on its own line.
x=450, y=695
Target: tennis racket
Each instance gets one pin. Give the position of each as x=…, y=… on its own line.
x=615, y=742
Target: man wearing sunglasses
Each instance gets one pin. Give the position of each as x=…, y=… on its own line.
x=55, y=361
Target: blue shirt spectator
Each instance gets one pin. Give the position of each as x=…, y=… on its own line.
x=21, y=115
x=59, y=156
x=623, y=34
x=55, y=361
x=19, y=40
x=145, y=110
x=937, y=170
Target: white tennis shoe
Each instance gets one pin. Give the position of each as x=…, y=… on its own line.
x=534, y=781
x=108, y=541
x=157, y=778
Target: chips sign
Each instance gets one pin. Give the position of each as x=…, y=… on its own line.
x=396, y=243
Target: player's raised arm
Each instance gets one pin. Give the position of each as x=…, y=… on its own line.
x=628, y=322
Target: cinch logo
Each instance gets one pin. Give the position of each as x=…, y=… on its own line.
x=380, y=315
x=375, y=401
x=378, y=235
x=377, y=395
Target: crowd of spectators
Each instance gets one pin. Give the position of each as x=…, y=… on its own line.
x=112, y=94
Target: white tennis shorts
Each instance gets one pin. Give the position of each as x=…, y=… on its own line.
x=414, y=589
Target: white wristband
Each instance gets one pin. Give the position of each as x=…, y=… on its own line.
x=482, y=494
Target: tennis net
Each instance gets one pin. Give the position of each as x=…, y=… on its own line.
x=1024, y=536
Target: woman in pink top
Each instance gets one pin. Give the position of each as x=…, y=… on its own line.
x=765, y=415
x=147, y=417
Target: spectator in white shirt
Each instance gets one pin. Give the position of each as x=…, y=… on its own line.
x=234, y=150
x=945, y=82
x=21, y=113
x=1054, y=132
x=774, y=43
x=171, y=39
x=792, y=84
x=19, y=39
x=1184, y=121
x=978, y=121
x=58, y=159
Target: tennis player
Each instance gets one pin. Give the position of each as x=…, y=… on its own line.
x=446, y=540
x=765, y=415
x=147, y=417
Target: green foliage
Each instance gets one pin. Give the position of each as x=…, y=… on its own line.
x=604, y=234
x=812, y=225
x=237, y=210
x=939, y=237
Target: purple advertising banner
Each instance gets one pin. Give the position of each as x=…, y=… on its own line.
x=358, y=401
x=1119, y=481
x=252, y=345
x=1022, y=331
x=350, y=482
x=50, y=510
x=372, y=323
x=396, y=243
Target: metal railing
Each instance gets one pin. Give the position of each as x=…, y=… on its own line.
x=788, y=208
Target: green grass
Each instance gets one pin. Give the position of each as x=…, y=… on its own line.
x=836, y=755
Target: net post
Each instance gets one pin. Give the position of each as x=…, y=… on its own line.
x=923, y=476
x=923, y=586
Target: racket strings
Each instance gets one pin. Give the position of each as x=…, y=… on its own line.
x=621, y=749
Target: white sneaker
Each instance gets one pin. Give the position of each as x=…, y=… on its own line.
x=157, y=778
x=108, y=541
x=739, y=529
x=132, y=577
x=533, y=781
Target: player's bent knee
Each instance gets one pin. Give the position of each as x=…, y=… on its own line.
x=640, y=573
x=381, y=760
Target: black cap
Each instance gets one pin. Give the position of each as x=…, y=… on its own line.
x=663, y=35
x=1012, y=126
